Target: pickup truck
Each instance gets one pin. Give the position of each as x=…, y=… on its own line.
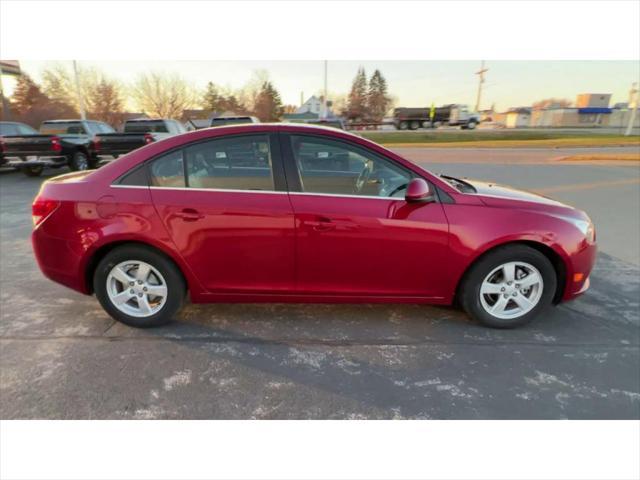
x=136, y=133
x=11, y=129
x=59, y=143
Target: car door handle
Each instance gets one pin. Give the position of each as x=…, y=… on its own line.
x=190, y=215
x=321, y=224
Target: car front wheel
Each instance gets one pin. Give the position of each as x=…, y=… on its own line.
x=139, y=287
x=509, y=286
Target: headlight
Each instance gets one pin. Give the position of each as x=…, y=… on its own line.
x=587, y=229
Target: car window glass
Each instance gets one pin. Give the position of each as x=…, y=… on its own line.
x=105, y=128
x=145, y=126
x=8, y=129
x=60, y=128
x=167, y=170
x=333, y=167
x=236, y=163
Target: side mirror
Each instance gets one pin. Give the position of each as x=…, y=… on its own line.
x=418, y=190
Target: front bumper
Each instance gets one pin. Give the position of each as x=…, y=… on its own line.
x=579, y=268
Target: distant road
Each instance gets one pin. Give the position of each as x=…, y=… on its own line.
x=608, y=191
x=502, y=155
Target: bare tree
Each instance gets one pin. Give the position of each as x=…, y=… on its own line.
x=551, y=103
x=163, y=96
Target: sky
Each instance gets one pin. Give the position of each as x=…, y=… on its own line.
x=412, y=83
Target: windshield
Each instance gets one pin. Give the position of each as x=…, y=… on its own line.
x=460, y=185
x=216, y=122
x=157, y=126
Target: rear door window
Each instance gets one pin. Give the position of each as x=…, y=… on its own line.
x=235, y=163
x=168, y=170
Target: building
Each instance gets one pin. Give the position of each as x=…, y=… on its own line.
x=309, y=110
x=593, y=100
x=590, y=110
x=518, y=117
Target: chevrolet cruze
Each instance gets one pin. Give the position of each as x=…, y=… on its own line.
x=293, y=213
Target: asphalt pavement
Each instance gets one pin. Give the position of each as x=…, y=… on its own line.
x=62, y=357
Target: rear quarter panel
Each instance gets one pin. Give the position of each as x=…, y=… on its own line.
x=91, y=217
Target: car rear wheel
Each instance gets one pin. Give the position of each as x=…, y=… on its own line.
x=509, y=287
x=33, y=171
x=79, y=161
x=403, y=125
x=139, y=287
x=414, y=125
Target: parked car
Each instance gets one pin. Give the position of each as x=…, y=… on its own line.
x=294, y=213
x=222, y=121
x=59, y=143
x=327, y=122
x=13, y=129
x=452, y=115
x=136, y=133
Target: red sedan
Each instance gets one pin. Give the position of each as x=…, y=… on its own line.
x=292, y=213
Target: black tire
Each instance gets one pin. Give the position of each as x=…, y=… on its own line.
x=33, y=171
x=403, y=125
x=79, y=161
x=471, y=125
x=414, y=125
x=176, y=288
x=470, y=288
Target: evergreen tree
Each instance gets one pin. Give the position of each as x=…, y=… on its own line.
x=357, y=99
x=378, y=101
x=27, y=95
x=32, y=106
x=213, y=100
x=268, y=105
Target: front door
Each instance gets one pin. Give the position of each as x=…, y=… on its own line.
x=224, y=203
x=356, y=234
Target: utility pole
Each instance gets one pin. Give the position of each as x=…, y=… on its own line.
x=633, y=106
x=480, y=74
x=83, y=114
x=324, y=100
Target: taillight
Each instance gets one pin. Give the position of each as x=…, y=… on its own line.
x=148, y=138
x=42, y=208
x=55, y=144
x=96, y=144
x=1, y=146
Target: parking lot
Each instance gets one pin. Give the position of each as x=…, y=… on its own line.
x=62, y=357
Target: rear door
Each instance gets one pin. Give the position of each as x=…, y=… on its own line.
x=357, y=236
x=224, y=203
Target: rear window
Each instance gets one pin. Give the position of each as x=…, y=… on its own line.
x=217, y=122
x=62, y=128
x=151, y=126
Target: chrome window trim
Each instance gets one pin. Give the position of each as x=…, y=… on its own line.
x=340, y=195
x=222, y=190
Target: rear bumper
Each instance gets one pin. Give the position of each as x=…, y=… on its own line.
x=40, y=161
x=59, y=259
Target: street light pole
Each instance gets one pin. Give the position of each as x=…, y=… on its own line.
x=83, y=114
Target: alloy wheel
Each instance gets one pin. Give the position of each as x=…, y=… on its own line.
x=511, y=290
x=136, y=288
